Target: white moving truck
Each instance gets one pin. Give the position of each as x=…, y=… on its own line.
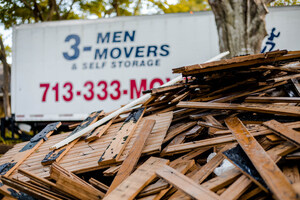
x=64, y=70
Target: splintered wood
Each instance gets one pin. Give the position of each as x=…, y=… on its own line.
x=242, y=113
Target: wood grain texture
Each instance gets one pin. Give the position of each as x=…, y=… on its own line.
x=185, y=184
x=118, y=143
x=179, y=130
x=180, y=148
x=204, y=172
x=263, y=108
x=284, y=131
x=134, y=154
x=131, y=186
x=235, y=190
x=269, y=171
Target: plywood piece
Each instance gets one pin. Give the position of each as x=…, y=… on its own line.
x=131, y=186
x=185, y=184
x=269, y=171
x=284, y=131
x=118, y=143
x=131, y=160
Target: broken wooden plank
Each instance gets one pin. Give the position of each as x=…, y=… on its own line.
x=205, y=171
x=98, y=132
x=44, y=182
x=292, y=173
x=29, y=189
x=235, y=190
x=241, y=61
x=179, y=130
x=269, y=171
x=7, y=168
x=57, y=154
x=222, y=180
x=284, y=131
x=98, y=184
x=263, y=108
x=134, y=154
x=272, y=100
x=185, y=184
x=118, y=143
x=72, y=184
x=35, y=142
x=161, y=187
x=131, y=186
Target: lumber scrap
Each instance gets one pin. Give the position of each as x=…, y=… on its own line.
x=97, y=184
x=185, y=184
x=222, y=181
x=19, y=157
x=131, y=186
x=72, y=184
x=178, y=130
x=29, y=189
x=272, y=100
x=161, y=187
x=115, y=148
x=284, y=131
x=133, y=156
x=269, y=171
x=272, y=109
x=205, y=171
x=292, y=173
x=231, y=63
x=57, y=154
x=98, y=132
x=235, y=190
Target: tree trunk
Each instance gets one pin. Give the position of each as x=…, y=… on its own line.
x=240, y=24
x=6, y=83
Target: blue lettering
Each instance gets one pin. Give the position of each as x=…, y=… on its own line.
x=117, y=36
x=165, y=50
x=152, y=49
x=127, y=35
x=100, y=37
x=127, y=54
x=100, y=55
x=118, y=50
x=139, y=51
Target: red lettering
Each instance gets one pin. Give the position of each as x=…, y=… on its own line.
x=135, y=90
x=156, y=80
x=46, y=86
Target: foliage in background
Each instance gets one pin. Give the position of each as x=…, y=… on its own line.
x=111, y=8
x=31, y=11
x=285, y=3
x=180, y=6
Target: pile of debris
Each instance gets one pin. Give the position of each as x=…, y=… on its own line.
x=228, y=130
